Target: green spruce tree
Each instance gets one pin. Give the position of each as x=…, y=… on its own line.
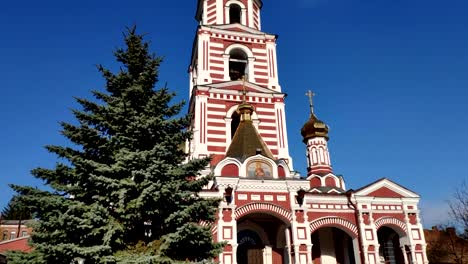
x=16, y=210
x=126, y=193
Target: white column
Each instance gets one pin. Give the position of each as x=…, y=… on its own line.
x=356, y=250
x=219, y=12
x=205, y=12
x=272, y=66
x=275, y=65
x=287, y=234
x=203, y=59
x=226, y=67
x=250, y=69
x=362, y=237
x=250, y=10
x=200, y=147
x=283, y=152
x=259, y=19
x=234, y=234
x=227, y=17
x=267, y=255
x=244, y=17
x=405, y=257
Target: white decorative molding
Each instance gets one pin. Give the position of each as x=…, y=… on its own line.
x=263, y=207
x=386, y=221
x=337, y=222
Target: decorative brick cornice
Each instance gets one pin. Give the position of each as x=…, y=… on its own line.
x=384, y=221
x=266, y=208
x=335, y=222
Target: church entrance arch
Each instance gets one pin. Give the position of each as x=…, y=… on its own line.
x=262, y=239
x=334, y=240
x=391, y=249
x=332, y=245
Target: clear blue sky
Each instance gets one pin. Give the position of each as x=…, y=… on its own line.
x=391, y=78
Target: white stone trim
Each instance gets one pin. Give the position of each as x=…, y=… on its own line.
x=264, y=207
x=334, y=221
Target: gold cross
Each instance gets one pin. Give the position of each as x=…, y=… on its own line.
x=244, y=90
x=311, y=95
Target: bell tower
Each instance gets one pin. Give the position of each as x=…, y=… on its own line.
x=231, y=55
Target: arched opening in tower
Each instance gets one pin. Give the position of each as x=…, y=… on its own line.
x=389, y=241
x=237, y=64
x=235, y=13
x=235, y=121
x=333, y=245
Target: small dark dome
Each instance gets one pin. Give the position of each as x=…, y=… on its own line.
x=314, y=128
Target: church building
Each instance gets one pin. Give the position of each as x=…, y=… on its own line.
x=270, y=214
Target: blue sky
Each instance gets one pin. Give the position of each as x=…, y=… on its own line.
x=391, y=78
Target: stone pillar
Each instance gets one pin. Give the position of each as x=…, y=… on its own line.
x=405, y=256
x=250, y=68
x=287, y=234
x=226, y=15
x=244, y=17
x=226, y=67
x=413, y=254
x=267, y=255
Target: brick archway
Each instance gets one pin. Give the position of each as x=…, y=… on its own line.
x=392, y=222
x=272, y=209
x=337, y=222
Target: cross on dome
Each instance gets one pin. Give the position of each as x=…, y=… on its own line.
x=311, y=95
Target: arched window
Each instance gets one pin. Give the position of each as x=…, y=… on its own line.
x=235, y=13
x=5, y=235
x=235, y=120
x=230, y=170
x=237, y=64
x=330, y=182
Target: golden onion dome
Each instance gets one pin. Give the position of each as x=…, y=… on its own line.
x=314, y=128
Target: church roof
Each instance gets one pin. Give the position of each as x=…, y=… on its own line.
x=247, y=142
x=385, y=188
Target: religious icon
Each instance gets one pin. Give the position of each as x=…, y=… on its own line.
x=259, y=169
x=259, y=172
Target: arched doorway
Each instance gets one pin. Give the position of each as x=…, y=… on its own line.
x=261, y=238
x=249, y=247
x=332, y=245
x=390, y=250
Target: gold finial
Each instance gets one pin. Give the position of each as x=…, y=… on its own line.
x=244, y=91
x=311, y=95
